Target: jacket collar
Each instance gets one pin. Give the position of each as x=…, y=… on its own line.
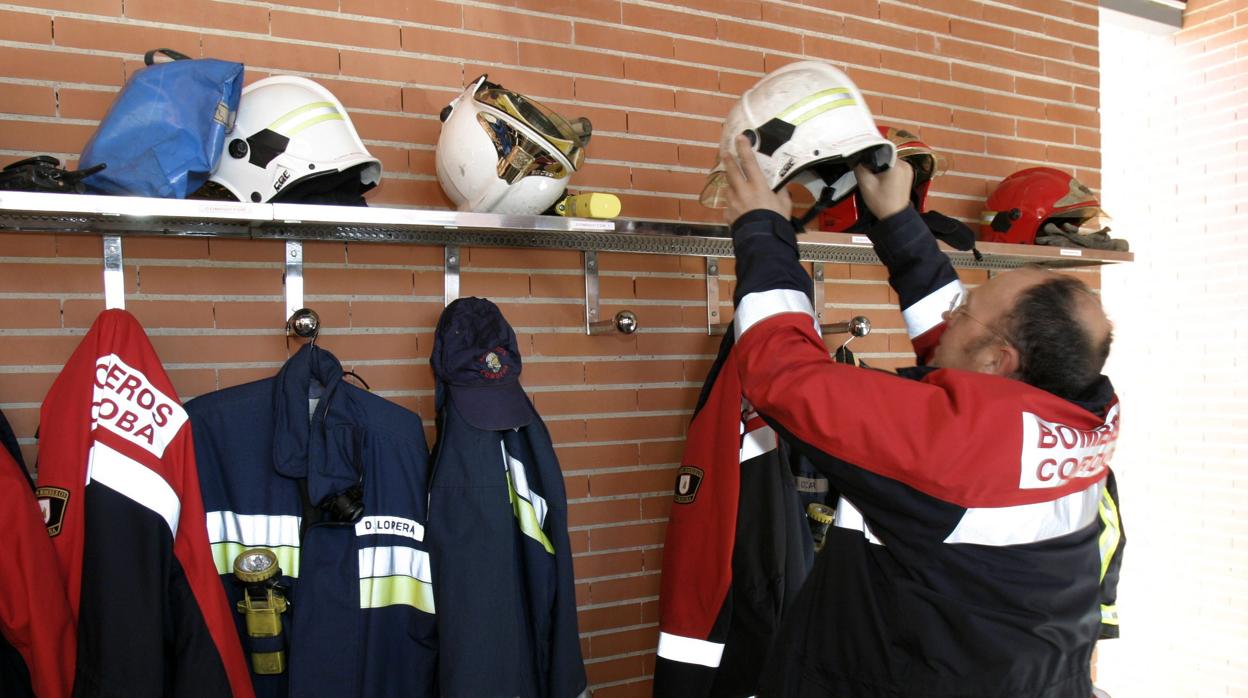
x=311, y=373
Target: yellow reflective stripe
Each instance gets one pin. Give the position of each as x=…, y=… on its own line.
x=300, y=110
x=806, y=112
x=1109, y=614
x=379, y=592
x=314, y=121
x=223, y=555
x=527, y=517
x=1112, y=534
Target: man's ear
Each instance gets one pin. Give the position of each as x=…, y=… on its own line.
x=1004, y=360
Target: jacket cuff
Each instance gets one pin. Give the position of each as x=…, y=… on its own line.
x=765, y=244
x=898, y=233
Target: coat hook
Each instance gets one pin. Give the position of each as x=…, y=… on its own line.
x=114, y=276
x=714, y=324
x=304, y=323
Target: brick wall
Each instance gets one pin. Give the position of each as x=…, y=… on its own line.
x=1176, y=182
x=997, y=86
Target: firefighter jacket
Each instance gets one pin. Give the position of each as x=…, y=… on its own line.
x=120, y=496
x=36, y=631
x=964, y=559
x=498, y=533
x=737, y=547
x=277, y=457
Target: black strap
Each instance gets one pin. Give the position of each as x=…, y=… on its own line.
x=824, y=201
x=149, y=58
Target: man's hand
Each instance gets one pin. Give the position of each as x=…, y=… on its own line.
x=887, y=193
x=748, y=190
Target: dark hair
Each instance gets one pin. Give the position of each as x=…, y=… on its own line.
x=1056, y=352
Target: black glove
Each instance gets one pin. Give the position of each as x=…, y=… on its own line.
x=43, y=173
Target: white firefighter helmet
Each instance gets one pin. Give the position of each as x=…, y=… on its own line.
x=290, y=130
x=501, y=152
x=809, y=124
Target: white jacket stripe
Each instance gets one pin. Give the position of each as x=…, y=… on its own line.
x=926, y=314
x=690, y=651
x=756, y=307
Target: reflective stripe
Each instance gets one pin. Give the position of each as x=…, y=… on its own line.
x=253, y=530
x=926, y=314
x=388, y=560
x=809, y=107
x=1113, y=530
x=1028, y=523
x=224, y=554
x=312, y=122
x=390, y=526
x=395, y=575
x=1109, y=613
x=689, y=650
x=310, y=106
x=758, y=442
x=848, y=517
x=135, y=481
x=529, y=506
x=379, y=592
x=756, y=307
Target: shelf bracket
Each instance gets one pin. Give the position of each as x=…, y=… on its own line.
x=114, y=277
x=624, y=322
x=816, y=273
x=293, y=279
x=450, y=274
x=714, y=322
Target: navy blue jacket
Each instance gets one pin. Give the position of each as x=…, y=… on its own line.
x=361, y=619
x=498, y=531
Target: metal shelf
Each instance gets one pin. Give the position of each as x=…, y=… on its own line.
x=124, y=216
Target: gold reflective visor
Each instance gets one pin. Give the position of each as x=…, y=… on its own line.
x=554, y=129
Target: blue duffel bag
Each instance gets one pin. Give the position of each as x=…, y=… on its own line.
x=163, y=134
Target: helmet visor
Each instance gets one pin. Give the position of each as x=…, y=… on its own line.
x=550, y=126
x=519, y=155
x=715, y=192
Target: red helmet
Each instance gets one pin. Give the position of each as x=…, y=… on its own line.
x=927, y=163
x=1027, y=199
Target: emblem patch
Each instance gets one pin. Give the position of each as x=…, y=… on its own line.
x=52, y=502
x=688, y=479
x=492, y=362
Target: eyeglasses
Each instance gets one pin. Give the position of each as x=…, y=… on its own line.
x=957, y=307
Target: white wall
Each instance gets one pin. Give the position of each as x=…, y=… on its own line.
x=1175, y=180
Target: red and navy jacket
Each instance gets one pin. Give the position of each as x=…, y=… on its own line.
x=120, y=496
x=965, y=557
x=737, y=547
x=36, y=631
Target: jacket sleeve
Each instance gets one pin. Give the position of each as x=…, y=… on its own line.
x=924, y=279
x=1113, y=541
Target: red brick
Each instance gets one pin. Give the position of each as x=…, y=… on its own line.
x=634, y=150
x=735, y=84
x=644, y=371
x=84, y=104
x=604, y=617
x=27, y=386
x=1044, y=131
x=622, y=428
x=833, y=49
x=1070, y=115
x=898, y=15
x=669, y=21
x=669, y=74
x=586, y=402
x=632, y=482
x=983, y=123
x=639, y=689
x=1085, y=35
x=750, y=34
x=666, y=126
x=607, y=10
x=32, y=100
x=29, y=313
x=564, y=59
x=24, y=26
x=537, y=85
x=514, y=24
x=256, y=53
x=44, y=137
x=627, y=641
x=608, y=590
x=906, y=110
x=1072, y=156
x=151, y=314
x=714, y=55
x=34, y=350
x=201, y=14
x=61, y=66
x=932, y=68
x=443, y=14
x=581, y=457
x=96, y=7
x=624, y=40
x=591, y=90
x=612, y=670
x=448, y=43
x=333, y=30
x=603, y=512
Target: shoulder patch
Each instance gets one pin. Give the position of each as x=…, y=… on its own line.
x=688, y=479
x=52, y=502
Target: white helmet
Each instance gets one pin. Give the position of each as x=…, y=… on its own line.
x=809, y=124
x=291, y=130
x=501, y=152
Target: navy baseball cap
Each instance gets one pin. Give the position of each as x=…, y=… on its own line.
x=477, y=362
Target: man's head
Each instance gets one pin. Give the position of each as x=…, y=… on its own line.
x=1037, y=326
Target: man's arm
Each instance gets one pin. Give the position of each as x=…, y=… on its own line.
x=918, y=271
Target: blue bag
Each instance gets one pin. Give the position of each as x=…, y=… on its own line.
x=163, y=134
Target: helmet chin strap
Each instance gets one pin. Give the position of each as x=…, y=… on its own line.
x=824, y=201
